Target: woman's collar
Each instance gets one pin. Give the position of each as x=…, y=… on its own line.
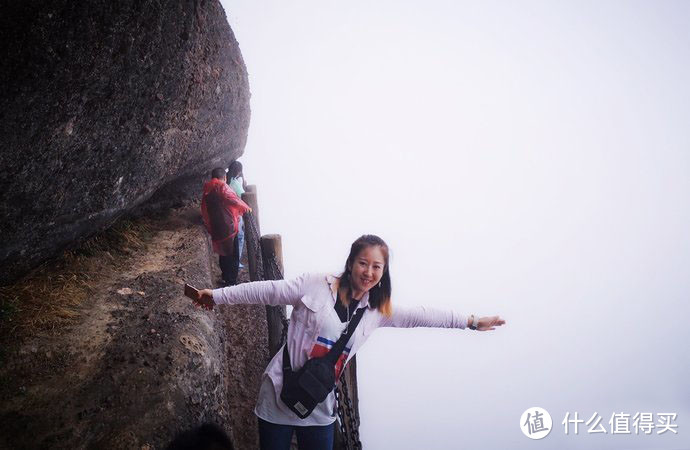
x=333, y=281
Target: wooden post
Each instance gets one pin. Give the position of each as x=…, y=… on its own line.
x=250, y=197
x=272, y=248
x=272, y=252
x=252, y=234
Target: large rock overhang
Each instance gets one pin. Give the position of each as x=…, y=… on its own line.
x=103, y=104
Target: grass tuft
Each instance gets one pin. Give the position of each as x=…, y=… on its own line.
x=50, y=296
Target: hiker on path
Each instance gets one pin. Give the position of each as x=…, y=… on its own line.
x=238, y=184
x=332, y=317
x=220, y=209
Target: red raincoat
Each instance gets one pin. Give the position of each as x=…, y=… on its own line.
x=220, y=209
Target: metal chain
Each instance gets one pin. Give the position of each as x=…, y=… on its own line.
x=286, y=324
x=341, y=417
x=351, y=416
x=253, y=240
x=272, y=272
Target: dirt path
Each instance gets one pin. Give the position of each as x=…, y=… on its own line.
x=141, y=364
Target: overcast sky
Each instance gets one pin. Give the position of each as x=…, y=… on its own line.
x=527, y=159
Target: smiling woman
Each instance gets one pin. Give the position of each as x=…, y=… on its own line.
x=296, y=392
x=366, y=270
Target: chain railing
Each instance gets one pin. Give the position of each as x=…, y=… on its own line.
x=273, y=272
x=348, y=419
x=264, y=265
x=252, y=239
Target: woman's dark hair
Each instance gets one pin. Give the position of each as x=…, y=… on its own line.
x=379, y=296
x=235, y=169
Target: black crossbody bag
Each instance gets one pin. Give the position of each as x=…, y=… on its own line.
x=305, y=389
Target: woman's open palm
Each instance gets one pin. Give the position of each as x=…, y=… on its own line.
x=489, y=323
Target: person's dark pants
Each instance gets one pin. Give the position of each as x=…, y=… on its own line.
x=230, y=264
x=278, y=437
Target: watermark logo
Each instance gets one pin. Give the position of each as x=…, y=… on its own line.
x=619, y=423
x=536, y=423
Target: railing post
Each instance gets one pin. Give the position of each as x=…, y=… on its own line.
x=252, y=233
x=252, y=200
x=272, y=249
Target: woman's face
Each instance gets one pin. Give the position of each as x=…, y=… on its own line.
x=367, y=269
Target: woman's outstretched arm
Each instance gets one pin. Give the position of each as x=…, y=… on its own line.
x=422, y=316
x=280, y=292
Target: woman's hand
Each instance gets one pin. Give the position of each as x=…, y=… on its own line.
x=205, y=299
x=489, y=323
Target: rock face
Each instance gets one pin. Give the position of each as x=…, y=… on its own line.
x=103, y=104
x=140, y=364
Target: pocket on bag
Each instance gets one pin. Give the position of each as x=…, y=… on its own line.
x=313, y=387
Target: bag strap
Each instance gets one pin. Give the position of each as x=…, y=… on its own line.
x=339, y=346
x=287, y=367
x=335, y=351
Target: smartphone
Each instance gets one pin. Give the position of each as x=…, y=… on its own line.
x=191, y=292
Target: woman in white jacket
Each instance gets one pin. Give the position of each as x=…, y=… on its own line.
x=323, y=307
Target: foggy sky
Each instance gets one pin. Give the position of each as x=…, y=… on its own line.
x=527, y=159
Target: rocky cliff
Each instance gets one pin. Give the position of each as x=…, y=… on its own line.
x=137, y=363
x=103, y=105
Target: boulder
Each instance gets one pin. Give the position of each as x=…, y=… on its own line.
x=104, y=104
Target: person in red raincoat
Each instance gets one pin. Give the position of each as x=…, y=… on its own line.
x=221, y=209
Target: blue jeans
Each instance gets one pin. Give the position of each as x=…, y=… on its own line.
x=240, y=238
x=278, y=437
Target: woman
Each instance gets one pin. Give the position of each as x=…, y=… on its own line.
x=238, y=184
x=323, y=307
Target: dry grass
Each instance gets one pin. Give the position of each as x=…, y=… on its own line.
x=123, y=237
x=50, y=296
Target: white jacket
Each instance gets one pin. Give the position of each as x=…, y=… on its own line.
x=311, y=295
